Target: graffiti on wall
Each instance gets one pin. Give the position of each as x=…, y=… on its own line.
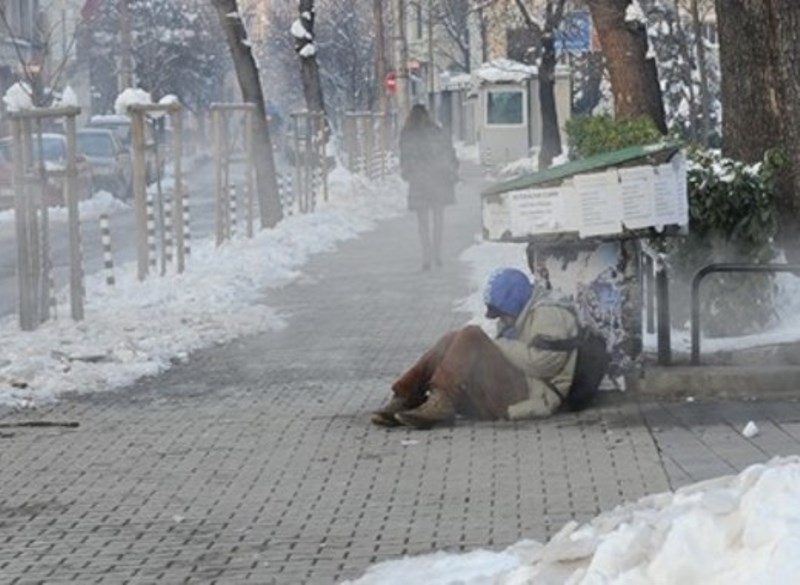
x=602, y=282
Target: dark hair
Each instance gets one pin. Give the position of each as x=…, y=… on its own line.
x=418, y=118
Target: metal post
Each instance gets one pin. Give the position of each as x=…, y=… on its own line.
x=401, y=58
x=649, y=285
x=233, y=211
x=44, y=264
x=105, y=240
x=34, y=203
x=249, y=171
x=140, y=192
x=167, y=231
x=75, y=269
x=187, y=227
x=151, y=232
x=26, y=321
x=178, y=203
x=215, y=131
x=664, y=325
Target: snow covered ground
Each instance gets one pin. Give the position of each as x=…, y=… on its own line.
x=136, y=328
x=733, y=530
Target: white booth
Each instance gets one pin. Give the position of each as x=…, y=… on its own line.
x=508, y=113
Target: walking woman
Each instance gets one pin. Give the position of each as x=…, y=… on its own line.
x=428, y=163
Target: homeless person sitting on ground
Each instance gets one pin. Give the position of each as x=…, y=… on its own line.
x=470, y=374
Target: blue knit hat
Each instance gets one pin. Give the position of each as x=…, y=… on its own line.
x=507, y=292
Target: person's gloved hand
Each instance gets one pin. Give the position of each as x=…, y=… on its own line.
x=507, y=331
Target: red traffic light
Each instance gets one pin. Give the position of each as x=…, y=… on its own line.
x=390, y=81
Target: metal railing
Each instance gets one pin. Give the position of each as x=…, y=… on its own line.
x=723, y=267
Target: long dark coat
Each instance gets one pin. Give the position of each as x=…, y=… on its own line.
x=428, y=162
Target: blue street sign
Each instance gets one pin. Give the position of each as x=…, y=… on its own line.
x=575, y=33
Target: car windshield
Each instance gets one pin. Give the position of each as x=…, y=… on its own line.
x=121, y=130
x=95, y=144
x=54, y=149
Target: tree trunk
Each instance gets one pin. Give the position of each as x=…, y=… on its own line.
x=760, y=59
x=250, y=85
x=551, y=136
x=634, y=77
x=686, y=72
x=592, y=94
x=309, y=69
x=702, y=66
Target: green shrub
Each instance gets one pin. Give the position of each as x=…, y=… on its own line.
x=590, y=135
x=731, y=219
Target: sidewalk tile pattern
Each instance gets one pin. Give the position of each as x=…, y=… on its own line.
x=255, y=462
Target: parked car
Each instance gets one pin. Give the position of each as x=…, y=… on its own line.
x=54, y=155
x=121, y=125
x=110, y=160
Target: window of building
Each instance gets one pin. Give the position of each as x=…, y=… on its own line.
x=505, y=107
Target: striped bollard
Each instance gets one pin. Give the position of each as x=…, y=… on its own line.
x=151, y=232
x=316, y=186
x=233, y=203
x=168, y=227
x=285, y=188
x=81, y=269
x=187, y=230
x=53, y=300
x=105, y=240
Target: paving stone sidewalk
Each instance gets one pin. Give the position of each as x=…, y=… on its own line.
x=255, y=461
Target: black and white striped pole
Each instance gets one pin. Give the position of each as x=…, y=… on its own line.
x=286, y=190
x=151, y=232
x=187, y=226
x=168, y=228
x=233, y=211
x=105, y=240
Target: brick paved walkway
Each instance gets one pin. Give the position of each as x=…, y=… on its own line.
x=255, y=462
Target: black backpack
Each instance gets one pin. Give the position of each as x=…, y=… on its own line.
x=591, y=364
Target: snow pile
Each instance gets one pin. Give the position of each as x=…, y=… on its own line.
x=505, y=71
x=169, y=100
x=90, y=209
x=68, y=98
x=130, y=97
x=732, y=530
x=136, y=328
x=18, y=97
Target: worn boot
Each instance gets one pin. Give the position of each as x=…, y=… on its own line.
x=385, y=416
x=437, y=408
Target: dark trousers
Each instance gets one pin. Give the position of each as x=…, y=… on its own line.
x=471, y=370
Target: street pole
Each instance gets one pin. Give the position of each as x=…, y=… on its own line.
x=431, y=64
x=401, y=59
x=126, y=60
x=380, y=56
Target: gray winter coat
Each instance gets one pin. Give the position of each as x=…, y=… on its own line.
x=428, y=162
x=541, y=316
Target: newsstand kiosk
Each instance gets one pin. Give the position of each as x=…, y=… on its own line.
x=584, y=223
